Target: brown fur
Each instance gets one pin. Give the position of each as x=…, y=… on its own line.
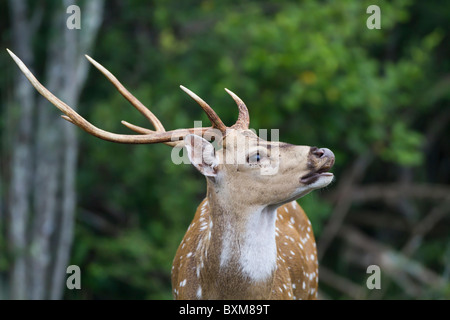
x=297, y=280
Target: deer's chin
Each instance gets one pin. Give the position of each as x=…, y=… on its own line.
x=312, y=177
x=319, y=180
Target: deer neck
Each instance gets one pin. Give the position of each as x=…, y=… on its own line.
x=242, y=248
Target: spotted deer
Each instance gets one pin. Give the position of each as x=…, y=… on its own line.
x=249, y=238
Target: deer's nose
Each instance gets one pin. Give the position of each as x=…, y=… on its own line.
x=322, y=153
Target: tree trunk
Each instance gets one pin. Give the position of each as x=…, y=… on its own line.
x=91, y=23
x=41, y=206
x=21, y=161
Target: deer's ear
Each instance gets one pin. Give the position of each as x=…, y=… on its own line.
x=202, y=155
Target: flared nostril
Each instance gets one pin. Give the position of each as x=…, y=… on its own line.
x=322, y=152
x=317, y=152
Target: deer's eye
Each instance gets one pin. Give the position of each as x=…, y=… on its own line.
x=254, y=158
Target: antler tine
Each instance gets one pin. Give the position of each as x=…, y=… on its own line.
x=212, y=115
x=135, y=128
x=132, y=99
x=74, y=117
x=243, y=120
x=142, y=130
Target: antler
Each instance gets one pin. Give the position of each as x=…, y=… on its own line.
x=147, y=136
x=243, y=120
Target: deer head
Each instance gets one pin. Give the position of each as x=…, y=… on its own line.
x=271, y=173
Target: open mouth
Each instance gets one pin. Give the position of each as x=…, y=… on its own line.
x=313, y=176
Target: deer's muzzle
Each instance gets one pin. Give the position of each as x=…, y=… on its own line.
x=320, y=161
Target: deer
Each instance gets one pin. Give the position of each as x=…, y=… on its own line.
x=249, y=238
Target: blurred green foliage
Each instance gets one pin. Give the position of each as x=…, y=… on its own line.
x=310, y=68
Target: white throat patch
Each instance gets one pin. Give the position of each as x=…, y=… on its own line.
x=257, y=250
